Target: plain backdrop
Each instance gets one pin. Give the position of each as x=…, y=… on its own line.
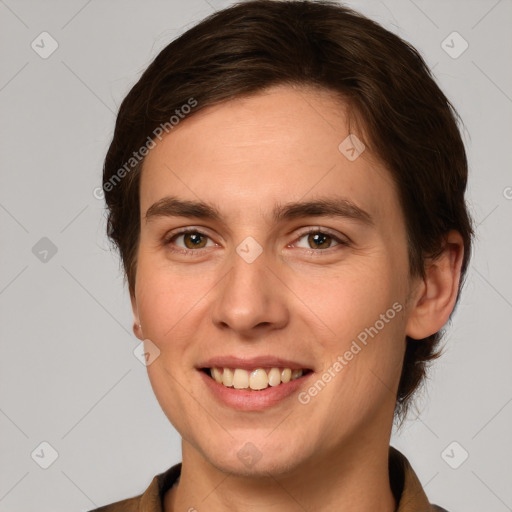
x=68, y=374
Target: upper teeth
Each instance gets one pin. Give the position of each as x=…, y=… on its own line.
x=256, y=379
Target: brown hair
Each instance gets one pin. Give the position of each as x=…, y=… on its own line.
x=408, y=122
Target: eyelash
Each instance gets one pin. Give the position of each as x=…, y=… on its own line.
x=197, y=252
x=339, y=241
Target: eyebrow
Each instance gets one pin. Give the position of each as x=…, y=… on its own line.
x=323, y=207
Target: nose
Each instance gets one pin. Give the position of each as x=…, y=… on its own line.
x=250, y=300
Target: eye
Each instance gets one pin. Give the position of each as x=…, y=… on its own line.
x=317, y=239
x=190, y=240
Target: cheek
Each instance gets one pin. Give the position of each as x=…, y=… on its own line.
x=167, y=300
x=168, y=305
x=349, y=299
x=362, y=307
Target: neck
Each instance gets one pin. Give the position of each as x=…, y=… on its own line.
x=351, y=480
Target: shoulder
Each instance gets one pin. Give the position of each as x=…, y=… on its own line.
x=406, y=487
x=151, y=499
x=128, y=505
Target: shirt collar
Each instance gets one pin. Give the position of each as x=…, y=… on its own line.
x=405, y=485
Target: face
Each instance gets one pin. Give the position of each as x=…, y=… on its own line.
x=266, y=248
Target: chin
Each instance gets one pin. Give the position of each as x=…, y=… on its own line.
x=261, y=458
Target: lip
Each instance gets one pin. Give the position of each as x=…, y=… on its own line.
x=248, y=400
x=251, y=363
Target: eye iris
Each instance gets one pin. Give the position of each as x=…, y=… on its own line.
x=321, y=240
x=194, y=240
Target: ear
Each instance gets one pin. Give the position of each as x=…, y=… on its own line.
x=137, y=329
x=436, y=295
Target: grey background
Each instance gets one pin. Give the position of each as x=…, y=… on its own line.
x=68, y=375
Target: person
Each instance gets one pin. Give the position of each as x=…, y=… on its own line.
x=286, y=187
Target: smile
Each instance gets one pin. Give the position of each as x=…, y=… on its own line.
x=254, y=380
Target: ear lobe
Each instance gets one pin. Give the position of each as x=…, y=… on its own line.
x=437, y=294
x=137, y=329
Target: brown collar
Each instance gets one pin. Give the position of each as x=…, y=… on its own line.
x=405, y=485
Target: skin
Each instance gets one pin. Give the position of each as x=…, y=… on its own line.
x=295, y=301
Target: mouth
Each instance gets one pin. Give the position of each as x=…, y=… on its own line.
x=253, y=384
x=257, y=379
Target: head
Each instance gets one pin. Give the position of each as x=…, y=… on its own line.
x=246, y=114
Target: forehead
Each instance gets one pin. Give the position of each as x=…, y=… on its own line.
x=249, y=154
